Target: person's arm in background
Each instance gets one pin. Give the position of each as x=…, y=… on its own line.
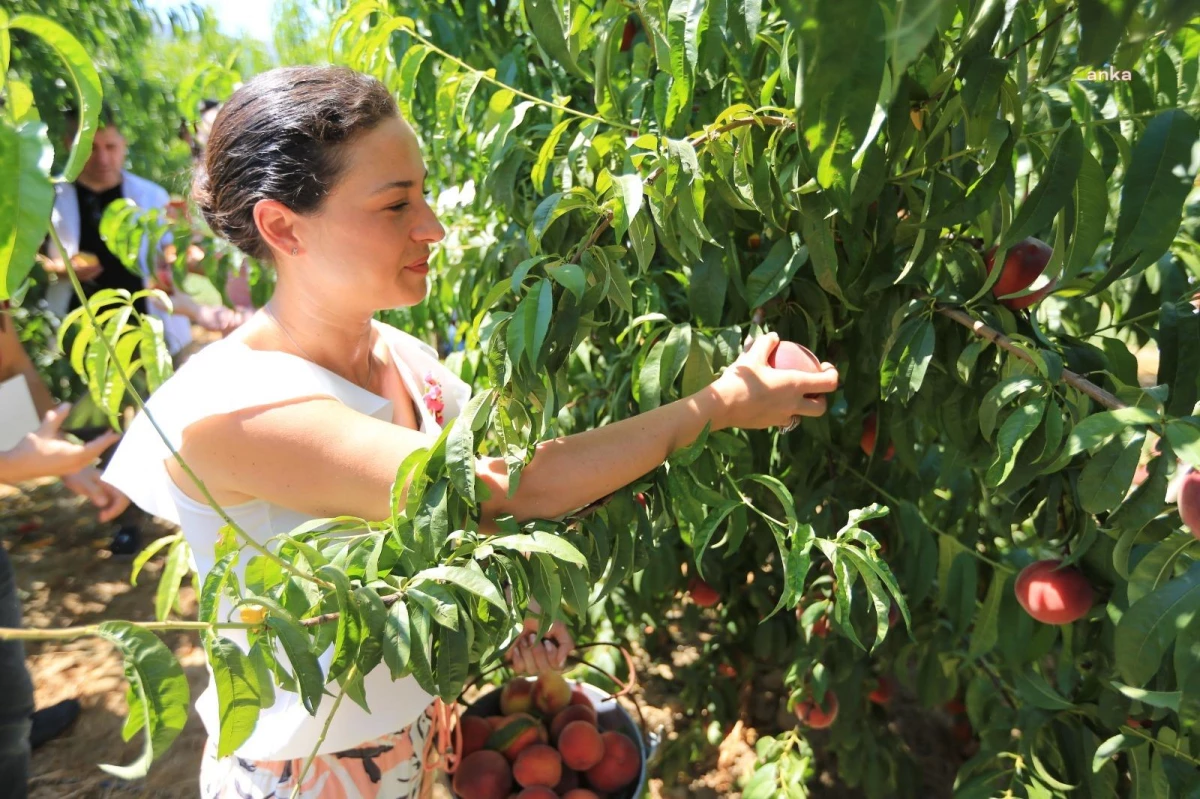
x=45, y=453
x=15, y=361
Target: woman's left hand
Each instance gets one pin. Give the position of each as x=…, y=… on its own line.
x=531, y=656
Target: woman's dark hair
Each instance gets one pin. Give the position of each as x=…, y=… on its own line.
x=282, y=137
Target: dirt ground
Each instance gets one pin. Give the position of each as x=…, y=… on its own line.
x=67, y=578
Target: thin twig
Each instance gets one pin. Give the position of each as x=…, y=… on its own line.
x=1105, y=398
x=1040, y=33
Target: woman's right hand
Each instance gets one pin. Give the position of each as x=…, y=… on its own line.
x=755, y=395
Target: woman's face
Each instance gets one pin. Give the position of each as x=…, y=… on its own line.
x=375, y=225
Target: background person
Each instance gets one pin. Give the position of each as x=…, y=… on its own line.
x=78, y=209
x=43, y=453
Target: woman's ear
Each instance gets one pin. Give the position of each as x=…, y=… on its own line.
x=277, y=226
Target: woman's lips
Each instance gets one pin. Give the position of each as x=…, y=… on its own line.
x=421, y=268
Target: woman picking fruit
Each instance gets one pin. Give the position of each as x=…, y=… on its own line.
x=308, y=409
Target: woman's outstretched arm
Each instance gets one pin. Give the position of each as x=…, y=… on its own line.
x=321, y=458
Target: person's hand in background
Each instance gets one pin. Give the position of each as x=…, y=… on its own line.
x=108, y=500
x=45, y=453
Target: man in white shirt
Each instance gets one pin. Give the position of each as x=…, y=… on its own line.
x=78, y=208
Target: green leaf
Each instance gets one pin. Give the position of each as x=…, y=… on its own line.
x=999, y=396
x=538, y=541
x=546, y=153
x=1185, y=440
x=176, y=567
x=987, y=623
x=26, y=199
x=1053, y=189
x=1033, y=688
x=547, y=24
x=1105, y=478
x=460, y=445
x=1102, y=23
x=1089, y=214
x=439, y=601
x=776, y=271
x=215, y=581
x=452, y=659
x=716, y=515
x=150, y=551
x=570, y=277
x=349, y=624
x=297, y=645
x=239, y=696
x=1156, y=185
x=903, y=369
x=397, y=648
x=628, y=190
x=686, y=23
x=158, y=696
x=84, y=79
x=374, y=618
x=410, y=67
x=468, y=579
x=1150, y=626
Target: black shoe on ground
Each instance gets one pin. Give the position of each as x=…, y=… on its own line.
x=127, y=541
x=51, y=722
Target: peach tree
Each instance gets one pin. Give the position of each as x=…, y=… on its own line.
x=981, y=212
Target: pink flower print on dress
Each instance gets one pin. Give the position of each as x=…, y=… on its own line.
x=433, y=397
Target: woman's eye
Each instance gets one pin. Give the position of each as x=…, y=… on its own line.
x=397, y=206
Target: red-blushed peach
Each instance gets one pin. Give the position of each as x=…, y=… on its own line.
x=579, y=696
x=580, y=745
x=883, y=691
x=580, y=793
x=618, y=767
x=1023, y=265
x=517, y=732
x=867, y=442
x=790, y=355
x=1189, y=502
x=1053, y=597
x=818, y=716
x=516, y=696
x=571, y=713
x=538, y=765
x=537, y=792
x=475, y=732
x=483, y=775
x=551, y=693
x=702, y=593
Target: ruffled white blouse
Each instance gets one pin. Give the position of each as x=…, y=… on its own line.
x=227, y=376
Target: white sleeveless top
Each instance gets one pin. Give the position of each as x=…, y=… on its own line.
x=227, y=376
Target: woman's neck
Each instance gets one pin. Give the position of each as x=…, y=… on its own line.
x=333, y=337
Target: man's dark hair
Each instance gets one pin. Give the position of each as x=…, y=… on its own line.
x=282, y=136
x=106, y=118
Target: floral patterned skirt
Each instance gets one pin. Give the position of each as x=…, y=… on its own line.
x=386, y=768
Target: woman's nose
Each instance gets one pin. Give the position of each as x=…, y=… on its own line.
x=430, y=229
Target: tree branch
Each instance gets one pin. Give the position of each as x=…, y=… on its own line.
x=1105, y=398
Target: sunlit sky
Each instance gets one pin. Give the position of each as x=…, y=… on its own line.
x=252, y=17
